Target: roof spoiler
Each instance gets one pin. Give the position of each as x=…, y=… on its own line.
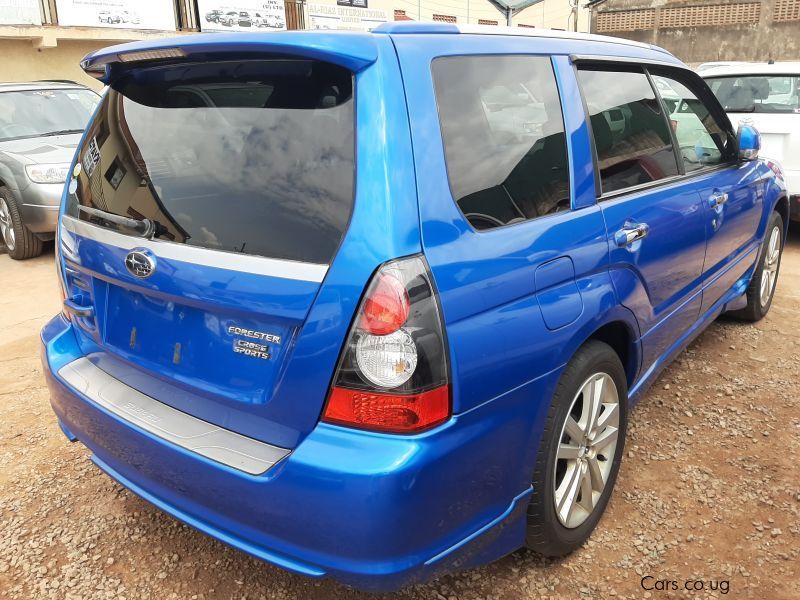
x=354, y=51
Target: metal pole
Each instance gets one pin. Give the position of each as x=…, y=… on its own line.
x=509, y=14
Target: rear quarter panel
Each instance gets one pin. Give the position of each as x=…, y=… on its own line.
x=500, y=342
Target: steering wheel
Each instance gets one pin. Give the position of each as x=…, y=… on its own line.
x=474, y=216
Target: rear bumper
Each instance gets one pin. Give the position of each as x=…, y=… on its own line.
x=376, y=512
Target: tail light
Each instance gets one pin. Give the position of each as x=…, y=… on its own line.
x=392, y=375
x=776, y=168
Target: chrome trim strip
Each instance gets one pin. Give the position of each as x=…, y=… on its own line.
x=244, y=263
x=201, y=437
x=602, y=58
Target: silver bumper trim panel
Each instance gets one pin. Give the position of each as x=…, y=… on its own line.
x=201, y=437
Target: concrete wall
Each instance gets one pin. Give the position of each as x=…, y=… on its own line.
x=29, y=52
x=760, y=40
x=52, y=52
x=23, y=62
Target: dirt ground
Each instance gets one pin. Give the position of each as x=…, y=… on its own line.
x=709, y=491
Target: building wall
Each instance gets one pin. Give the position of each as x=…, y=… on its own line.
x=23, y=62
x=50, y=51
x=551, y=14
x=711, y=30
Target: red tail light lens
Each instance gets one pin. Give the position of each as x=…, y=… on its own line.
x=386, y=308
x=392, y=375
x=388, y=412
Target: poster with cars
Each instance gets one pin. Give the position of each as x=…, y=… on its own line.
x=327, y=16
x=242, y=15
x=122, y=14
x=20, y=12
x=356, y=3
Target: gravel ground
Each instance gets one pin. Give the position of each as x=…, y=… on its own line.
x=709, y=488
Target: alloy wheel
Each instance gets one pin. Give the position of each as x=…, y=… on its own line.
x=586, y=450
x=7, y=226
x=769, y=275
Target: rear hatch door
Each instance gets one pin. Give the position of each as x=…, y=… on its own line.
x=209, y=200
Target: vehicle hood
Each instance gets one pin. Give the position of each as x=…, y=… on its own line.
x=47, y=149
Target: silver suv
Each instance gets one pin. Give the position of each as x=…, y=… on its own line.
x=40, y=127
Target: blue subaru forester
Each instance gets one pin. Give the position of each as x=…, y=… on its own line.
x=376, y=306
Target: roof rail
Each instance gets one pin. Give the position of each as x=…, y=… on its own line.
x=406, y=27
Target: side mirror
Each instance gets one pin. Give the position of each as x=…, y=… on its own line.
x=749, y=142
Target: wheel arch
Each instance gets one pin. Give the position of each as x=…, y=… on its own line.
x=616, y=326
x=622, y=339
x=781, y=206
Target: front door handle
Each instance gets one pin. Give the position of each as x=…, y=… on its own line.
x=718, y=199
x=631, y=233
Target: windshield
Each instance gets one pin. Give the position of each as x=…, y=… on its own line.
x=36, y=113
x=758, y=93
x=255, y=157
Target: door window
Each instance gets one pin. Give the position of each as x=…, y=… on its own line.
x=503, y=137
x=701, y=136
x=631, y=137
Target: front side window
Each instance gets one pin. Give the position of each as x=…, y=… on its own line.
x=631, y=136
x=37, y=113
x=758, y=93
x=703, y=141
x=254, y=157
x=504, y=139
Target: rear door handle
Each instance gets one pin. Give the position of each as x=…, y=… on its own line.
x=717, y=199
x=631, y=233
x=76, y=310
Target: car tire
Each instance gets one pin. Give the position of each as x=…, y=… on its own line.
x=569, y=459
x=20, y=242
x=762, y=286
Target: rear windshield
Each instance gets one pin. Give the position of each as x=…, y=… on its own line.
x=254, y=157
x=757, y=93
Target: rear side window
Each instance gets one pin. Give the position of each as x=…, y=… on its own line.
x=254, y=157
x=702, y=136
x=631, y=136
x=503, y=137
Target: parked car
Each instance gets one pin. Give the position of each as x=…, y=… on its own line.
x=105, y=16
x=130, y=17
x=715, y=64
x=229, y=19
x=768, y=97
x=213, y=16
x=244, y=19
x=267, y=20
x=377, y=361
x=40, y=126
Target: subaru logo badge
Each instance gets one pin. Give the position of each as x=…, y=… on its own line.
x=141, y=263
